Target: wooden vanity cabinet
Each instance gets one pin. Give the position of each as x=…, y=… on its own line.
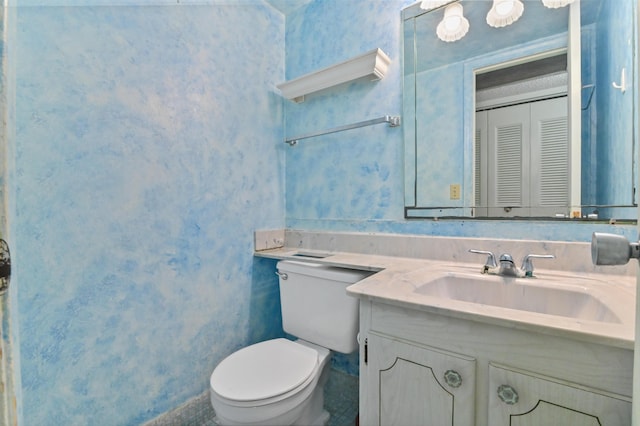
x=421, y=368
x=413, y=384
x=522, y=399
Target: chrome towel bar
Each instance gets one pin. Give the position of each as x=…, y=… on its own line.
x=394, y=121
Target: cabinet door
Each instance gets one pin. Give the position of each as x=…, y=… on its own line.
x=411, y=384
x=525, y=399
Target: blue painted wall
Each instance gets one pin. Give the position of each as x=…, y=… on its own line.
x=147, y=149
x=145, y=156
x=354, y=181
x=616, y=42
x=354, y=175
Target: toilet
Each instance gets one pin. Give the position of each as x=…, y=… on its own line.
x=281, y=381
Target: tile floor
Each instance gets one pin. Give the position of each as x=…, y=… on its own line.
x=340, y=393
x=341, y=398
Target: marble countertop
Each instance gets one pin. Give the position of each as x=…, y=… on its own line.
x=397, y=278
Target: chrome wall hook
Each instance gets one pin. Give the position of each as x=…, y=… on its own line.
x=623, y=82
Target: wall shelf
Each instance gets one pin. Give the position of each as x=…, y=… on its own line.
x=372, y=65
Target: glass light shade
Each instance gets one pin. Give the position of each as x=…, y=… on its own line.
x=505, y=12
x=432, y=4
x=554, y=4
x=454, y=25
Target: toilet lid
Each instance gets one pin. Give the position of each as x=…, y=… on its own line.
x=264, y=370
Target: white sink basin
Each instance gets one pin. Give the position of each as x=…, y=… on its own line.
x=525, y=294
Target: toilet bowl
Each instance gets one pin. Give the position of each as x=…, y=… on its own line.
x=280, y=381
x=275, y=382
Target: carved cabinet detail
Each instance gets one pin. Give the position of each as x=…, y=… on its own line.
x=545, y=401
x=414, y=384
x=424, y=368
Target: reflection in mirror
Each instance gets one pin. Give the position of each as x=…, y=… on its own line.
x=522, y=151
x=524, y=120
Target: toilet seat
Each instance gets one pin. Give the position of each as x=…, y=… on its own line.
x=264, y=372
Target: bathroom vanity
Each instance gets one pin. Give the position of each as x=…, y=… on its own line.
x=447, y=358
x=419, y=367
x=443, y=344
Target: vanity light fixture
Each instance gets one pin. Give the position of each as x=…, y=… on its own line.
x=432, y=4
x=454, y=25
x=554, y=4
x=504, y=12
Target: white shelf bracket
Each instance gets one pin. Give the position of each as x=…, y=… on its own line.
x=373, y=65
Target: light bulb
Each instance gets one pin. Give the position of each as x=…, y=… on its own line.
x=432, y=4
x=504, y=12
x=504, y=8
x=454, y=25
x=554, y=4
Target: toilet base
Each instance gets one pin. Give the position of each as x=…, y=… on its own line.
x=314, y=413
x=323, y=420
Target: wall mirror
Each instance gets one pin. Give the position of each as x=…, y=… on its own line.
x=531, y=120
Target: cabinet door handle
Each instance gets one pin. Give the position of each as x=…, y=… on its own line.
x=453, y=378
x=507, y=394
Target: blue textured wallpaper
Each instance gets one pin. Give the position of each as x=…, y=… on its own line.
x=147, y=149
x=145, y=157
x=613, y=148
x=354, y=180
x=355, y=174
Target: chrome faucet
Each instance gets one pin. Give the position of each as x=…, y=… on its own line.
x=507, y=267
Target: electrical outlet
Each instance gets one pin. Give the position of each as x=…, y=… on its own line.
x=454, y=191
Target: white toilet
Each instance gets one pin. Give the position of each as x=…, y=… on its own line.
x=280, y=382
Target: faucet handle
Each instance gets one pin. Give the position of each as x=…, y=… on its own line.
x=527, y=263
x=491, y=259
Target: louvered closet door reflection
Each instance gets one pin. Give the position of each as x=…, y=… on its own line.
x=480, y=166
x=508, y=161
x=550, y=154
x=528, y=157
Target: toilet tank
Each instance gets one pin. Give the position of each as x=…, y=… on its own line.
x=315, y=304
